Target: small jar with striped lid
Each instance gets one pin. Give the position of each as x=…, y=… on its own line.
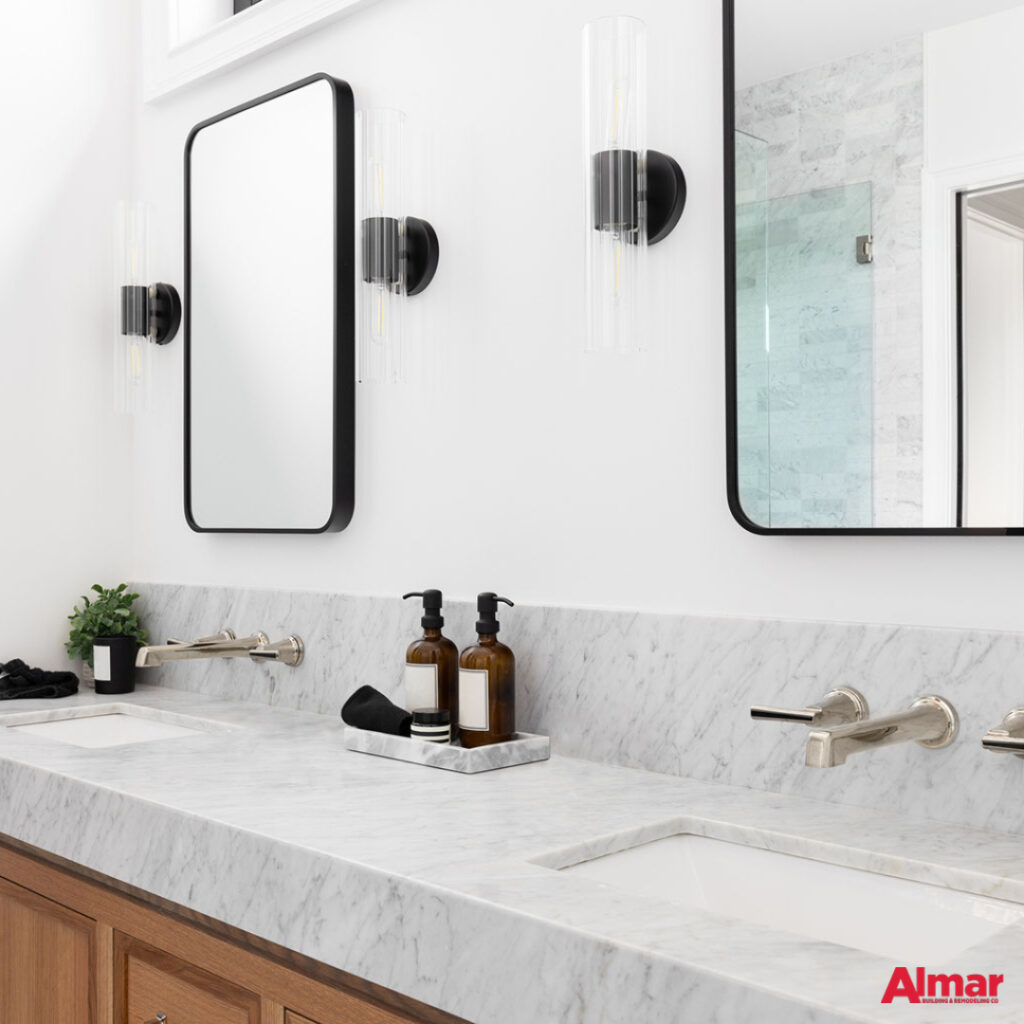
x=432, y=724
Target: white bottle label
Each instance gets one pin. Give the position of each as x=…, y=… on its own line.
x=474, y=706
x=420, y=687
x=101, y=663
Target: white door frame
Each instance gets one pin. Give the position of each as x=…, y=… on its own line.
x=940, y=414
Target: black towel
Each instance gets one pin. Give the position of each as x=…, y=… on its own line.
x=18, y=680
x=368, y=708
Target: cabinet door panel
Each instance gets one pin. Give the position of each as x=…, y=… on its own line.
x=152, y=982
x=47, y=958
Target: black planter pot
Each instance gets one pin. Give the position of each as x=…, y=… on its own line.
x=114, y=663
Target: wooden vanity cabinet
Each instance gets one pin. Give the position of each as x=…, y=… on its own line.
x=47, y=960
x=77, y=950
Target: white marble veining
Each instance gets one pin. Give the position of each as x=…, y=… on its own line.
x=669, y=693
x=524, y=749
x=441, y=885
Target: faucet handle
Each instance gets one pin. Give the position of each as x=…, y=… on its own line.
x=837, y=707
x=288, y=651
x=1008, y=738
x=224, y=634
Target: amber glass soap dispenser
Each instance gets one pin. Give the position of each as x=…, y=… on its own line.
x=432, y=663
x=487, y=681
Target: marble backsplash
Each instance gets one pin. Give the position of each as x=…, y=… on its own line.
x=668, y=693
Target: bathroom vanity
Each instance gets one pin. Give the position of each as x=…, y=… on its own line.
x=251, y=869
x=77, y=948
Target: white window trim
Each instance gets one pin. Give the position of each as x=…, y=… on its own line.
x=168, y=67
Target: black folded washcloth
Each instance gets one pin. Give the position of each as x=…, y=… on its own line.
x=18, y=680
x=368, y=708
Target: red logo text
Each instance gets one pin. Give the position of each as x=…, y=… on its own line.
x=921, y=987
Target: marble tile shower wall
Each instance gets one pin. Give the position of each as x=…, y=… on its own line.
x=861, y=120
x=668, y=693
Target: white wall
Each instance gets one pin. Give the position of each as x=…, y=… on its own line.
x=64, y=458
x=974, y=92
x=564, y=480
x=536, y=471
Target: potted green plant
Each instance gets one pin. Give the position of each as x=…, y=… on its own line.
x=106, y=634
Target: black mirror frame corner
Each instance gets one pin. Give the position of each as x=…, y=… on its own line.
x=731, y=431
x=344, y=418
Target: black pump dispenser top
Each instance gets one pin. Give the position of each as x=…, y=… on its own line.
x=487, y=610
x=432, y=618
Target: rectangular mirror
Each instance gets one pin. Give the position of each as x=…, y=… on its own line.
x=874, y=159
x=268, y=314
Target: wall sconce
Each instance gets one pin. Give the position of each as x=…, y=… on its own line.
x=398, y=254
x=147, y=313
x=634, y=195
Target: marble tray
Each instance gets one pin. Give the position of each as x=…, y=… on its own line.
x=526, y=747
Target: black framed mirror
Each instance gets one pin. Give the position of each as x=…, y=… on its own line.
x=269, y=313
x=874, y=223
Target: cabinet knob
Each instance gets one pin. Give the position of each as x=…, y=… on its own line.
x=160, y=1018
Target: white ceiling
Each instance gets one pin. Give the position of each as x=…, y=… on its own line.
x=777, y=37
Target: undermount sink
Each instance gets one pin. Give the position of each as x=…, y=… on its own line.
x=110, y=725
x=913, y=922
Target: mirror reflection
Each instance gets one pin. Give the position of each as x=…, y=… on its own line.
x=879, y=254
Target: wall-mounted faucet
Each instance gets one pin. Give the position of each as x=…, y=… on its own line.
x=224, y=644
x=930, y=721
x=837, y=707
x=1008, y=738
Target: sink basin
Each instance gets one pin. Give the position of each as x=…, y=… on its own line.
x=110, y=725
x=912, y=922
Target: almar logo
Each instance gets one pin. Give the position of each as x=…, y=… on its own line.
x=942, y=988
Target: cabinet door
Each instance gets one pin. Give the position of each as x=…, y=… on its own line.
x=151, y=982
x=47, y=960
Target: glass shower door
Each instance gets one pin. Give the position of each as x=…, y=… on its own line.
x=805, y=330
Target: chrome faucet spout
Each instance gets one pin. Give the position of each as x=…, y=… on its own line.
x=205, y=647
x=930, y=721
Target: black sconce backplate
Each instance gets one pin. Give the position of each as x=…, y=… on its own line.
x=164, y=312
x=421, y=254
x=666, y=195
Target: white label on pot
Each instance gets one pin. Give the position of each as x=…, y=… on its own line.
x=101, y=663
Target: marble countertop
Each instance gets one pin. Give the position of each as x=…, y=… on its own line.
x=426, y=881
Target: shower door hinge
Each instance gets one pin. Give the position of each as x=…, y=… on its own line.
x=865, y=248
